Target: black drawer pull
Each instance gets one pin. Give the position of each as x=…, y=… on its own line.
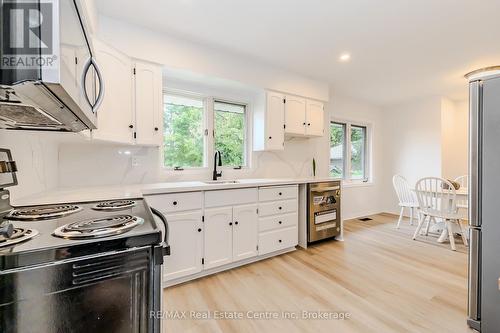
x=270, y=137
x=199, y=229
x=280, y=222
x=280, y=208
x=230, y=223
x=156, y=128
x=174, y=203
x=236, y=222
x=279, y=240
x=280, y=193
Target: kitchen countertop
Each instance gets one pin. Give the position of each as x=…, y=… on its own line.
x=83, y=194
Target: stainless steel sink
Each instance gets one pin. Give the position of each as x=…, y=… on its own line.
x=221, y=182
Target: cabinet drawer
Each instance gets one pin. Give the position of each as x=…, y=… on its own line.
x=230, y=197
x=175, y=202
x=277, y=240
x=277, y=207
x=278, y=193
x=278, y=222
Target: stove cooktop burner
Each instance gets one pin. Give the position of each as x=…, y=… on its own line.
x=19, y=235
x=114, y=205
x=42, y=212
x=100, y=227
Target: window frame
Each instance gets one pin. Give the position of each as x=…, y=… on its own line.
x=209, y=132
x=347, y=172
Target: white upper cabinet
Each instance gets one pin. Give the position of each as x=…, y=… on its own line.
x=148, y=103
x=131, y=110
x=315, y=125
x=295, y=110
x=269, y=120
x=303, y=117
x=115, y=117
x=245, y=231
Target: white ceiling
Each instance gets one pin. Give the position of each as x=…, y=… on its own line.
x=401, y=49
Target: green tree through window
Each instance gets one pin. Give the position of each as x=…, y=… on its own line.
x=230, y=133
x=183, y=132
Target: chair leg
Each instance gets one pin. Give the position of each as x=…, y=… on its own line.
x=400, y=217
x=462, y=233
x=419, y=226
x=411, y=215
x=450, y=235
x=427, y=227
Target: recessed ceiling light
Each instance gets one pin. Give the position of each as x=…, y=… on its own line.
x=345, y=57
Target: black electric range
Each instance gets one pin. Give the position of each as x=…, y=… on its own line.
x=47, y=233
x=79, y=267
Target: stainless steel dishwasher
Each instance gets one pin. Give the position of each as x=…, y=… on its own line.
x=323, y=210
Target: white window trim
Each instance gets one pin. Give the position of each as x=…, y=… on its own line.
x=209, y=139
x=346, y=181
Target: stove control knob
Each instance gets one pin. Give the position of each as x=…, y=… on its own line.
x=6, y=230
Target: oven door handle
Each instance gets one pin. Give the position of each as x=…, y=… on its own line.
x=164, y=244
x=325, y=189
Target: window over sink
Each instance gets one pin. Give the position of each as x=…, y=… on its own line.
x=196, y=126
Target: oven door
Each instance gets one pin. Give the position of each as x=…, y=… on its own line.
x=323, y=214
x=106, y=293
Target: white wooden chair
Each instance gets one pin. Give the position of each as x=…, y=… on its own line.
x=406, y=197
x=463, y=181
x=437, y=202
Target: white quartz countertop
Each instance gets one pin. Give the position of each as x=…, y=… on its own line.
x=83, y=194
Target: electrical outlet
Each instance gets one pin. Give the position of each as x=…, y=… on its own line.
x=136, y=161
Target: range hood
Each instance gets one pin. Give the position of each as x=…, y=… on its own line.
x=50, y=81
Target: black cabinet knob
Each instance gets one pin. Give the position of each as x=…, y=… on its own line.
x=280, y=193
x=280, y=208
x=199, y=229
x=309, y=124
x=236, y=222
x=174, y=203
x=130, y=126
x=279, y=240
x=280, y=222
x=156, y=128
x=304, y=124
x=230, y=223
x=270, y=137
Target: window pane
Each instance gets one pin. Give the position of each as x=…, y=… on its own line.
x=230, y=132
x=337, y=150
x=358, y=150
x=183, y=131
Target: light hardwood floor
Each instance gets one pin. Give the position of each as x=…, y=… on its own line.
x=384, y=280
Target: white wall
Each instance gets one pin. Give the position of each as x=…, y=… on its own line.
x=179, y=54
x=363, y=199
x=454, y=126
x=36, y=156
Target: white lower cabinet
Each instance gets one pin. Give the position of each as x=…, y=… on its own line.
x=230, y=234
x=218, y=236
x=245, y=232
x=277, y=240
x=186, y=245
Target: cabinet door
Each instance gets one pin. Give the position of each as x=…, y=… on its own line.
x=115, y=115
x=218, y=236
x=148, y=103
x=245, y=231
x=314, y=118
x=295, y=115
x=275, y=112
x=186, y=245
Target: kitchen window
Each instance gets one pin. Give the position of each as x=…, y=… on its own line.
x=195, y=127
x=349, y=153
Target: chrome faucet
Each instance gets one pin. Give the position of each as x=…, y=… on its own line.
x=215, y=173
